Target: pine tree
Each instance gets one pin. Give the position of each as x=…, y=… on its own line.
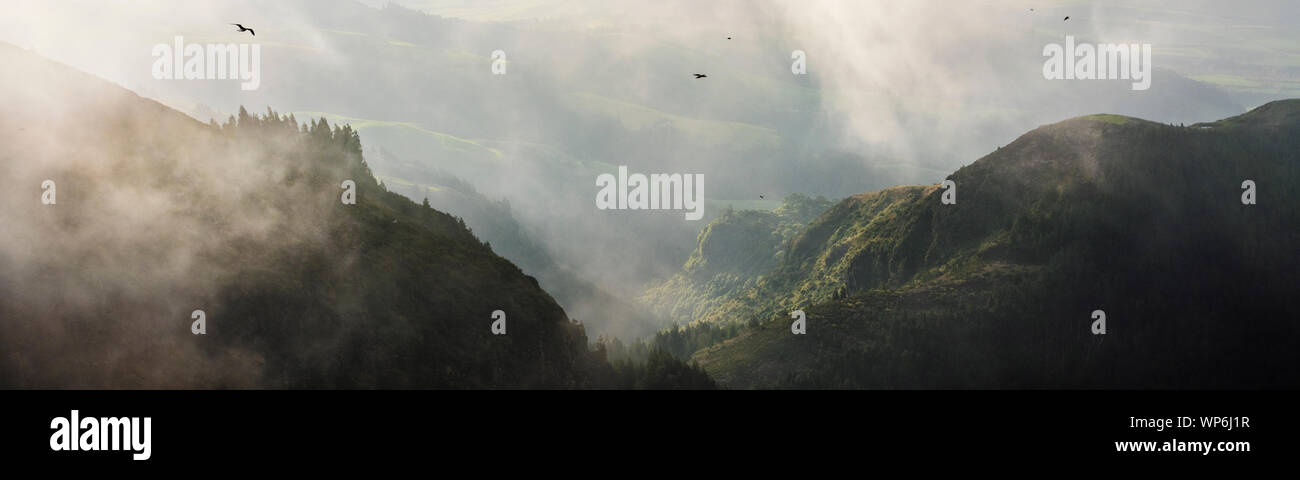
x=245, y=120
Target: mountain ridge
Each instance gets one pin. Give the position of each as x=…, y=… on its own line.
x=1106, y=201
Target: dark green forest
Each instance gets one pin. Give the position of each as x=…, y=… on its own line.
x=1138, y=219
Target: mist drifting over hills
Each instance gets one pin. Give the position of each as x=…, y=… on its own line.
x=895, y=98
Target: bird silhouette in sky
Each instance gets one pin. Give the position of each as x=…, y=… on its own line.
x=760, y=197
x=245, y=29
x=1066, y=18
x=700, y=75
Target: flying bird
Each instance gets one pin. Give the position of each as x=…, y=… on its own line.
x=245, y=29
x=700, y=75
x=728, y=38
x=1066, y=18
x=760, y=197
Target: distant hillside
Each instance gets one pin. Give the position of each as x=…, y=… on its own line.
x=732, y=253
x=1139, y=219
x=158, y=216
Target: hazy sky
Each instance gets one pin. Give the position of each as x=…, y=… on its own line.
x=886, y=69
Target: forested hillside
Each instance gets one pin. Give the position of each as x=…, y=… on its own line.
x=1144, y=221
x=153, y=217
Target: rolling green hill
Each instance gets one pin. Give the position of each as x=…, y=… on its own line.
x=710, y=133
x=415, y=149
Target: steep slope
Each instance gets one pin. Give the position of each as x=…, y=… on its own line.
x=731, y=254
x=157, y=216
x=1141, y=220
